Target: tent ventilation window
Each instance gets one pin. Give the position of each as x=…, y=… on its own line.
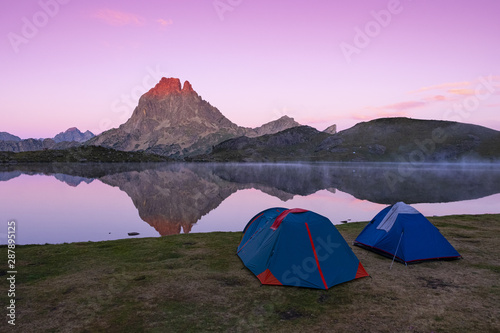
x=392, y=215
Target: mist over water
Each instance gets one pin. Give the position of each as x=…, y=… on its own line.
x=82, y=202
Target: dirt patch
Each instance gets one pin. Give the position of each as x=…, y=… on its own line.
x=230, y=281
x=290, y=314
x=323, y=298
x=436, y=283
x=68, y=290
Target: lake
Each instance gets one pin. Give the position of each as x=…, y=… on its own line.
x=57, y=203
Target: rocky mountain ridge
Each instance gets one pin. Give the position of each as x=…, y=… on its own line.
x=35, y=144
x=73, y=134
x=171, y=120
x=411, y=141
x=72, y=137
x=4, y=136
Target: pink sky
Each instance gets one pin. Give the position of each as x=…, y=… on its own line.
x=85, y=63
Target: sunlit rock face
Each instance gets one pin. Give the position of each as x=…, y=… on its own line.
x=174, y=120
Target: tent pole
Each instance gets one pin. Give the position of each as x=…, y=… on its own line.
x=397, y=248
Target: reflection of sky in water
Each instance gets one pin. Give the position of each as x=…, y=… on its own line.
x=47, y=210
x=238, y=209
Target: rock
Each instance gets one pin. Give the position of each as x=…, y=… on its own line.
x=187, y=88
x=376, y=149
x=331, y=129
x=272, y=127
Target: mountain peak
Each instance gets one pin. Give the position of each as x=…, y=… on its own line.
x=165, y=87
x=4, y=136
x=176, y=121
x=169, y=86
x=331, y=129
x=73, y=134
x=274, y=126
x=187, y=88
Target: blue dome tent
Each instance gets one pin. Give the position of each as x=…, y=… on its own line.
x=296, y=247
x=401, y=232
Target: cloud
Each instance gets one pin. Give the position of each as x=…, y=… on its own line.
x=444, y=86
x=164, y=23
x=117, y=18
x=436, y=98
x=461, y=87
x=404, y=105
x=388, y=111
x=454, y=91
x=463, y=92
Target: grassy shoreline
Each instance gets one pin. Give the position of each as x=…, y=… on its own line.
x=80, y=154
x=196, y=283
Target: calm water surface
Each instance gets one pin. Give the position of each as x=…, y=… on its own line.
x=87, y=202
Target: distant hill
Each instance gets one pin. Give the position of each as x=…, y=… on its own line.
x=289, y=145
x=379, y=140
x=4, y=136
x=171, y=120
x=35, y=144
x=72, y=137
x=413, y=140
x=73, y=134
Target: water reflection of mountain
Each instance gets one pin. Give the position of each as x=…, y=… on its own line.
x=172, y=197
x=73, y=181
x=385, y=184
x=8, y=175
x=175, y=196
